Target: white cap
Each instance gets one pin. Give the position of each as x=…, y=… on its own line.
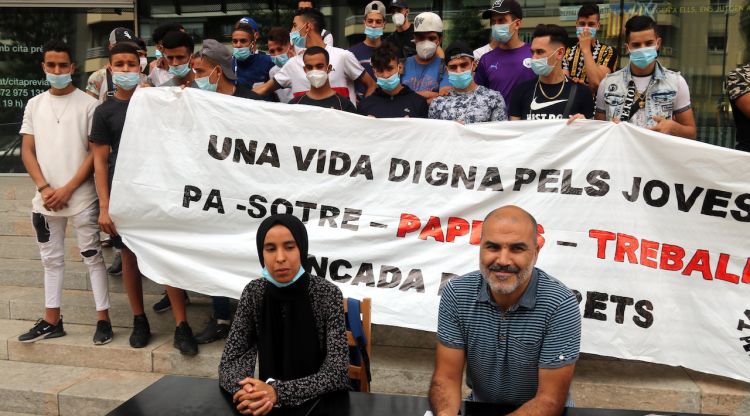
x=428, y=22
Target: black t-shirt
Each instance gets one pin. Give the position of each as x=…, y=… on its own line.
x=528, y=103
x=106, y=128
x=406, y=103
x=335, y=101
x=245, y=92
x=404, y=42
x=742, y=122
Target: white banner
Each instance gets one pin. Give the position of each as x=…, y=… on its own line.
x=651, y=231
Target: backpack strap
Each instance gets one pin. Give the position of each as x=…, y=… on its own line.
x=110, y=84
x=571, y=98
x=441, y=72
x=355, y=325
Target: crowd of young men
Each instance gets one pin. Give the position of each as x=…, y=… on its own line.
x=407, y=73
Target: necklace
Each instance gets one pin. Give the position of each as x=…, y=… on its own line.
x=562, y=87
x=67, y=102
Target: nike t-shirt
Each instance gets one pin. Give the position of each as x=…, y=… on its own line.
x=529, y=103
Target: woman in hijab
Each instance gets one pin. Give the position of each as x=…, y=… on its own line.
x=291, y=321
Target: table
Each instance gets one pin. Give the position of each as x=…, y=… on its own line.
x=192, y=396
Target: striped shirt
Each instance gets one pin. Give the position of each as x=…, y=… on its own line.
x=506, y=349
x=603, y=54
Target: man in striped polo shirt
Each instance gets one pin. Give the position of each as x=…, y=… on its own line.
x=517, y=329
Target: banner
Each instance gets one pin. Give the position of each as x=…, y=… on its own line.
x=651, y=231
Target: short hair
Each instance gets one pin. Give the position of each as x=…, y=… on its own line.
x=640, y=24
x=383, y=55
x=279, y=35
x=174, y=40
x=158, y=34
x=56, y=45
x=312, y=15
x=244, y=27
x=315, y=50
x=123, y=47
x=589, y=9
x=556, y=33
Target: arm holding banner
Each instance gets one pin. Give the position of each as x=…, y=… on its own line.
x=682, y=124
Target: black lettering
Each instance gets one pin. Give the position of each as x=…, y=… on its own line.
x=225, y=148
x=439, y=178
x=214, y=201
x=459, y=174
x=547, y=176
x=417, y=171
x=191, y=194
x=567, y=184
x=444, y=279
x=255, y=203
x=491, y=180
x=303, y=163
x=743, y=203
x=317, y=268
x=363, y=167
x=622, y=302
x=413, y=281
x=741, y=326
x=644, y=308
x=306, y=207
x=321, y=161
x=328, y=214
x=648, y=193
x=594, y=302
x=633, y=196
x=351, y=215
x=598, y=187
x=523, y=177
x=364, y=275
x=269, y=155
x=715, y=198
x=579, y=298
x=346, y=163
x=335, y=275
x=395, y=164
x=384, y=282
x=685, y=203
x=247, y=154
x=288, y=208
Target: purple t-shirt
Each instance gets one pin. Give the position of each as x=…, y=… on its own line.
x=502, y=69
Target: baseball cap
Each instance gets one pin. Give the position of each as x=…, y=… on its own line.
x=375, y=6
x=251, y=22
x=458, y=49
x=121, y=34
x=503, y=7
x=140, y=44
x=428, y=22
x=220, y=54
x=395, y=4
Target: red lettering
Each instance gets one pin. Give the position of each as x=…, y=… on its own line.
x=476, y=232
x=671, y=257
x=700, y=263
x=721, y=270
x=408, y=224
x=746, y=272
x=626, y=244
x=433, y=229
x=540, y=235
x=648, y=253
x=457, y=227
x=601, y=241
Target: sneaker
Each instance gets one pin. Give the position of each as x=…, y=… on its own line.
x=184, y=339
x=43, y=329
x=103, y=334
x=141, y=332
x=212, y=332
x=116, y=268
x=164, y=304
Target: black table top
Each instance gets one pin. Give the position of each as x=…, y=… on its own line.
x=185, y=396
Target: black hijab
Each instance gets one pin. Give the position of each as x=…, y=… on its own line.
x=288, y=346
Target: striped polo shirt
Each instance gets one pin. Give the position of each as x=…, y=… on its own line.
x=505, y=349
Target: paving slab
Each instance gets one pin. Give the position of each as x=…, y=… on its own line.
x=721, y=395
x=11, y=293
x=102, y=391
x=25, y=272
x=17, y=187
x=168, y=360
x=402, y=337
x=33, y=388
x=15, y=247
x=10, y=330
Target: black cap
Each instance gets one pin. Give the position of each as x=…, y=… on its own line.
x=121, y=34
x=458, y=49
x=395, y=4
x=503, y=7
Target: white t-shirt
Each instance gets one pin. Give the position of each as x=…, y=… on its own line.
x=61, y=147
x=681, y=100
x=478, y=52
x=284, y=94
x=327, y=39
x=158, y=76
x=346, y=69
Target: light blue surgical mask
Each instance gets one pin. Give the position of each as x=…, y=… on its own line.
x=180, y=70
x=206, y=85
x=642, y=57
x=373, y=32
x=280, y=60
x=541, y=66
x=580, y=29
x=460, y=80
x=241, y=53
x=297, y=39
x=501, y=33
x=126, y=80
x=59, y=81
x=389, y=84
x=158, y=54
x=267, y=276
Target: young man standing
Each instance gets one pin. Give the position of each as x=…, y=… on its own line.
x=644, y=92
x=589, y=61
x=106, y=132
x=321, y=94
x=178, y=49
x=99, y=84
x=425, y=72
x=280, y=51
x=55, y=152
x=251, y=68
x=159, y=68
x=738, y=88
x=467, y=102
x=403, y=37
x=374, y=24
x=392, y=99
x=552, y=95
x=506, y=66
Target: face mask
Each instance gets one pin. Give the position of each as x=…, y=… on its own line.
x=426, y=49
x=460, y=80
x=389, y=84
x=267, y=276
x=373, y=32
x=241, y=53
x=126, y=80
x=280, y=60
x=158, y=54
x=643, y=57
x=541, y=66
x=501, y=33
x=143, y=62
x=204, y=83
x=59, y=81
x=180, y=70
x=398, y=19
x=317, y=78
x=297, y=39
x=581, y=29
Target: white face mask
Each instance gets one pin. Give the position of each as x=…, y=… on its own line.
x=317, y=78
x=144, y=62
x=398, y=19
x=426, y=49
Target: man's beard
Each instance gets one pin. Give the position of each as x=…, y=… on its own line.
x=509, y=285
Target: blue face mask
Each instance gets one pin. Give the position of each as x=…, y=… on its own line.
x=59, y=81
x=280, y=60
x=180, y=70
x=373, y=32
x=267, y=276
x=241, y=53
x=158, y=54
x=297, y=39
x=389, y=84
x=460, y=80
x=501, y=33
x=580, y=29
x=126, y=80
x=643, y=57
x=206, y=85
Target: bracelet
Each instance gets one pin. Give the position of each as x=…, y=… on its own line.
x=43, y=188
